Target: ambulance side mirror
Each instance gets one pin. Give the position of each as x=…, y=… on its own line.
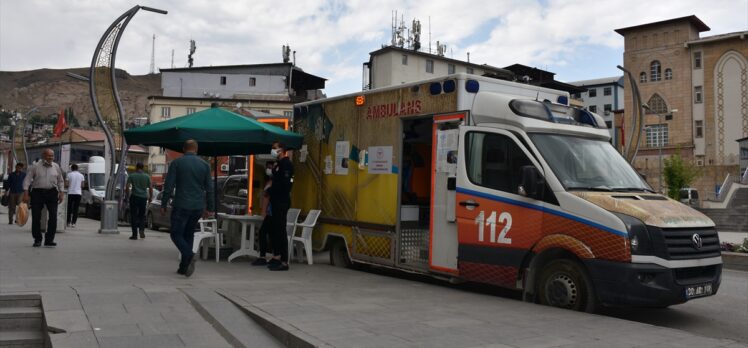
x=532, y=183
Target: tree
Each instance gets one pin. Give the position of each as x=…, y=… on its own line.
x=679, y=174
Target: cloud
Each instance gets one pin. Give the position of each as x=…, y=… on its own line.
x=333, y=38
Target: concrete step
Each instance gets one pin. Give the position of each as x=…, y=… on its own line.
x=21, y=339
x=231, y=322
x=20, y=300
x=21, y=319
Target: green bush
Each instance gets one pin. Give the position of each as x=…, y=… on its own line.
x=679, y=174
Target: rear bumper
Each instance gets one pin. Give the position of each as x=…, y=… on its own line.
x=648, y=284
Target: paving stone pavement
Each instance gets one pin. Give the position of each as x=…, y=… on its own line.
x=109, y=291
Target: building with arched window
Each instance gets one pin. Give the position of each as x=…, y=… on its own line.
x=696, y=90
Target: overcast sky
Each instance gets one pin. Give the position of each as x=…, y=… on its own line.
x=573, y=38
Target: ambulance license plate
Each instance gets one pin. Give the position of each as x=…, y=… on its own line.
x=698, y=290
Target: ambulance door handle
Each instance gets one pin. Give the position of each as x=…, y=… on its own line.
x=469, y=203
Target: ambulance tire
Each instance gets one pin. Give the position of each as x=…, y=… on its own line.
x=564, y=283
x=339, y=254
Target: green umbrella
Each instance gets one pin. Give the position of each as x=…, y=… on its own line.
x=218, y=132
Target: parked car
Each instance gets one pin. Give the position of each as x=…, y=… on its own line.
x=153, y=217
x=689, y=196
x=232, y=199
x=124, y=209
x=232, y=195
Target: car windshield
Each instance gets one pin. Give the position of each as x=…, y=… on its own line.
x=97, y=181
x=588, y=164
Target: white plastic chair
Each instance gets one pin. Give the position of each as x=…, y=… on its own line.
x=208, y=229
x=292, y=218
x=306, y=234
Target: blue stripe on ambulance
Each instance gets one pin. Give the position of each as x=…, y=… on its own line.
x=543, y=209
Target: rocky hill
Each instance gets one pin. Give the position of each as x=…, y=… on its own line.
x=52, y=90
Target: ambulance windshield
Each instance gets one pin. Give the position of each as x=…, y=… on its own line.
x=588, y=164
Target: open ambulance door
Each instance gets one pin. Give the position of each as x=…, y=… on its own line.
x=443, y=227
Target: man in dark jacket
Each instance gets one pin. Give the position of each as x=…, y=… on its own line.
x=280, y=200
x=189, y=179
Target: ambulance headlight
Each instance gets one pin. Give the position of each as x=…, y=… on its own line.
x=638, y=235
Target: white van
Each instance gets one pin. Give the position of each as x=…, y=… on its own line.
x=689, y=196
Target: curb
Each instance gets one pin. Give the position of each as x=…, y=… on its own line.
x=735, y=261
x=287, y=334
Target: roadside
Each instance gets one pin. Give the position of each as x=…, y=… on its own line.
x=106, y=290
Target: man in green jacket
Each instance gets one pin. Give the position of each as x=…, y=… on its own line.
x=142, y=192
x=188, y=179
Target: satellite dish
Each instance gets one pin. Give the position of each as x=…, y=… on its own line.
x=238, y=105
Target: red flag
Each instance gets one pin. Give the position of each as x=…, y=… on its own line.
x=61, y=125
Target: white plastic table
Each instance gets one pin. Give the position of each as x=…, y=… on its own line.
x=247, y=247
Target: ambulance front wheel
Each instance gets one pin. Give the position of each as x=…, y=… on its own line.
x=565, y=284
x=339, y=253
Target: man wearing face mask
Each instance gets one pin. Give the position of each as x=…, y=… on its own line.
x=45, y=181
x=267, y=222
x=280, y=200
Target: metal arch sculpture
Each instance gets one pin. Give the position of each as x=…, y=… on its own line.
x=104, y=94
x=636, y=124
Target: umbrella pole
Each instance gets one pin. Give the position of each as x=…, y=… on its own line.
x=215, y=185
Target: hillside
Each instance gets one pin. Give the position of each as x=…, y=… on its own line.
x=52, y=90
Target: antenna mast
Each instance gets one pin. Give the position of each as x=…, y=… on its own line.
x=172, y=58
x=192, y=51
x=153, y=55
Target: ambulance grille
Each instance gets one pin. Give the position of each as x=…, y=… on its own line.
x=680, y=243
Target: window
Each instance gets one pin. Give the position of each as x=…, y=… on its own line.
x=223, y=80
x=430, y=66
x=494, y=161
x=405, y=59
x=469, y=70
x=655, y=71
x=657, y=105
x=699, y=128
x=252, y=81
x=697, y=60
x=657, y=135
x=190, y=111
x=642, y=77
x=607, y=91
x=608, y=108
x=593, y=108
x=592, y=92
x=450, y=68
x=287, y=113
x=668, y=74
x=697, y=97
x=165, y=112
x=576, y=95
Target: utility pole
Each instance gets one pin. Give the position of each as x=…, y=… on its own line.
x=153, y=55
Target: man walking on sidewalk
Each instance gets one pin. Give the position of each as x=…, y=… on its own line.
x=142, y=192
x=45, y=181
x=14, y=190
x=75, y=189
x=189, y=180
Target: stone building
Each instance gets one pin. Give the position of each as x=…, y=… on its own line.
x=696, y=90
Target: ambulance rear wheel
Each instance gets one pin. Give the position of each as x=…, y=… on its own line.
x=339, y=254
x=565, y=284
